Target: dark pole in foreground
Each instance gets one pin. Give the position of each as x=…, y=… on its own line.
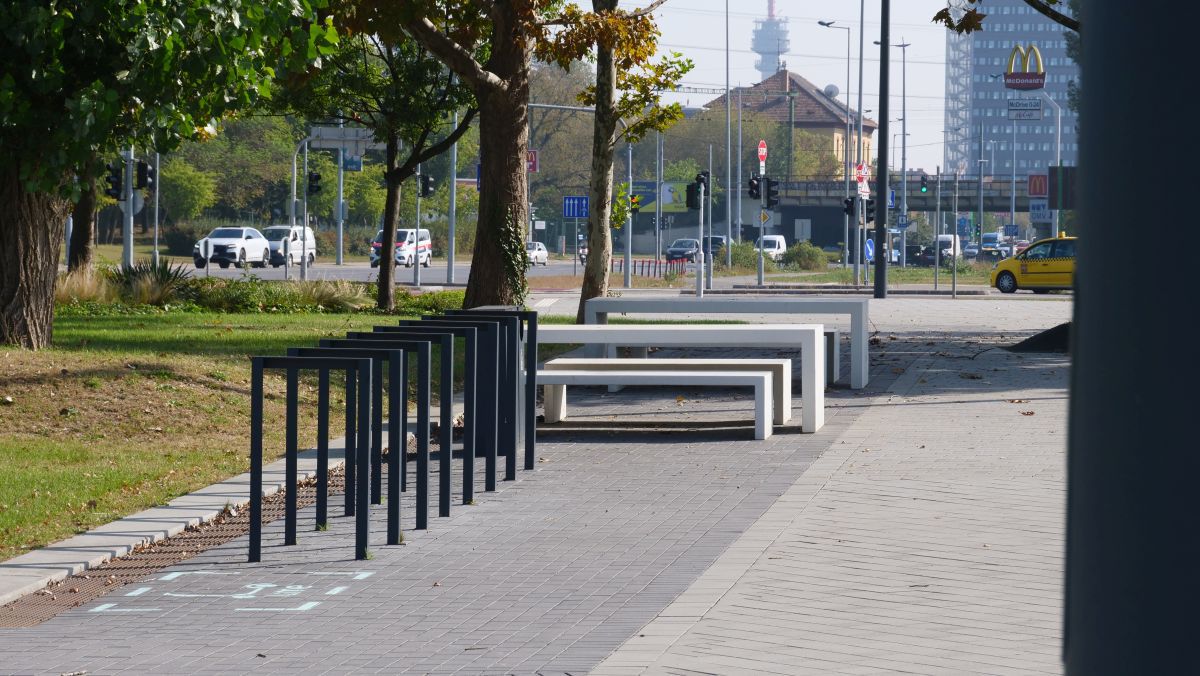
x=881, y=183
x=1131, y=586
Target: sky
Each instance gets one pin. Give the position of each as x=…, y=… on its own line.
x=696, y=28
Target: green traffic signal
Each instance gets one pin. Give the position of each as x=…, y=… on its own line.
x=924, y=184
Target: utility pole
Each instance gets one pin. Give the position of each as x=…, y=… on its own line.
x=708, y=264
x=629, y=217
x=739, y=169
x=451, y=215
x=304, y=230
x=728, y=152
x=341, y=215
x=881, y=184
x=127, y=215
x=937, y=228
x=417, y=233
x=658, y=184
x=700, y=241
x=156, y=189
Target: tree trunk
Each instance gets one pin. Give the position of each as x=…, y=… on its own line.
x=83, y=224
x=391, y=214
x=595, y=272
x=31, y=236
x=498, y=262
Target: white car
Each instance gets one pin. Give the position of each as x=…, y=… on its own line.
x=410, y=250
x=300, y=242
x=536, y=251
x=232, y=246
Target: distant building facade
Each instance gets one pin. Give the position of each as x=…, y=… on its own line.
x=977, y=118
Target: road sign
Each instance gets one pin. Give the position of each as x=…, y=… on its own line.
x=531, y=161
x=860, y=173
x=575, y=206
x=869, y=249
x=764, y=217
x=353, y=140
x=864, y=190
x=1038, y=185
x=138, y=202
x=352, y=163
x=1010, y=229
x=902, y=221
x=762, y=151
x=539, y=225
x=964, y=226
x=1039, y=211
x=1024, y=109
x=891, y=199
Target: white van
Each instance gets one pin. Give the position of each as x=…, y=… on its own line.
x=950, y=246
x=773, y=246
x=299, y=242
x=413, y=247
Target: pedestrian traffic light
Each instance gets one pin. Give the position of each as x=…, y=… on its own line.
x=771, y=189
x=754, y=187
x=924, y=183
x=848, y=207
x=693, y=196
x=314, y=183
x=142, y=175
x=635, y=203
x=114, y=179
x=426, y=184
x=869, y=208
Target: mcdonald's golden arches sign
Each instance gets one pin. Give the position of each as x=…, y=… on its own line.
x=1025, y=70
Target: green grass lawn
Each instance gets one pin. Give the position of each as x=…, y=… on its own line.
x=974, y=274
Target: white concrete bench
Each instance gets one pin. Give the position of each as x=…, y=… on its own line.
x=780, y=370
x=555, y=383
x=808, y=337
x=597, y=310
x=833, y=356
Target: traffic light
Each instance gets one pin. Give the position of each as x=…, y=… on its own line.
x=314, y=183
x=771, y=188
x=635, y=203
x=426, y=184
x=870, y=210
x=978, y=231
x=152, y=178
x=754, y=187
x=924, y=183
x=693, y=196
x=848, y=207
x=702, y=178
x=114, y=179
x=142, y=174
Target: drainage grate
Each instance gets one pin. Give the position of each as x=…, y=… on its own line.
x=93, y=583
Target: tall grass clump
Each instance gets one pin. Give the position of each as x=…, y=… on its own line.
x=332, y=295
x=149, y=283
x=84, y=286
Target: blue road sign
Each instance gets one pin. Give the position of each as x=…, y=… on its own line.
x=869, y=249
x=575, y=206
x=351, y=163
x=891, y=199
x=902, y=221
x=964, y=227
x=1010, y=229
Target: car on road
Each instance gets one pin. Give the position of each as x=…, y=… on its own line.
x=773, y=246
x=682, y=249
x=971, y=251
x=414, y=247
x=232, y=246
x=713, y=244
x=1045, y=265
x=537, y=253
x=299, y=242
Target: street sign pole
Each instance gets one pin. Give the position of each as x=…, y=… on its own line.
x=700, y=248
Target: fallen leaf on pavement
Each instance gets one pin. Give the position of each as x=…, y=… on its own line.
x=1027, y=413
x=1018, y=401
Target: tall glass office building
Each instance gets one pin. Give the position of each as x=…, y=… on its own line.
x=977, y=107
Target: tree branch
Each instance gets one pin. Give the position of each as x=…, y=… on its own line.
x=1054, y=15
x=454, y=55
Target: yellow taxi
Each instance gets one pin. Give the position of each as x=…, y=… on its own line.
x=1045, y=265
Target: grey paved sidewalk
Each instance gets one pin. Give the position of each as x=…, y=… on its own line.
x=927, y=540
x=549, y=575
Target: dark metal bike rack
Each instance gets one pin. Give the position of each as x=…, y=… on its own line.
x=444, y=341
x=530, y=325
x=397, y=389
x=358, y=439
x=418, y=351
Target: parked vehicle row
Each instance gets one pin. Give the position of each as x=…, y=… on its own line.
x=248, y=246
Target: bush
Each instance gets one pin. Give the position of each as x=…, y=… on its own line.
x=357, y=240
x=180, y=239
x=149, y=283
x=805, y=256
x=744, y=256
x=433, y=302
x=333, y=295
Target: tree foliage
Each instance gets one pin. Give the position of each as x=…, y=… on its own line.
x=184, y=191
x=966, y=16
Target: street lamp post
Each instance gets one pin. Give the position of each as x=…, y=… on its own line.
x=1057, y=146
x=845, y=145
x=904, y=148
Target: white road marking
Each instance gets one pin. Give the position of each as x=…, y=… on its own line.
x=111, y=608
x=305, y=606
x=139, y=591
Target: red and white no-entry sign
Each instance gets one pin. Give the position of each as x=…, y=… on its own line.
x=860, y=173
x=762, y=151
